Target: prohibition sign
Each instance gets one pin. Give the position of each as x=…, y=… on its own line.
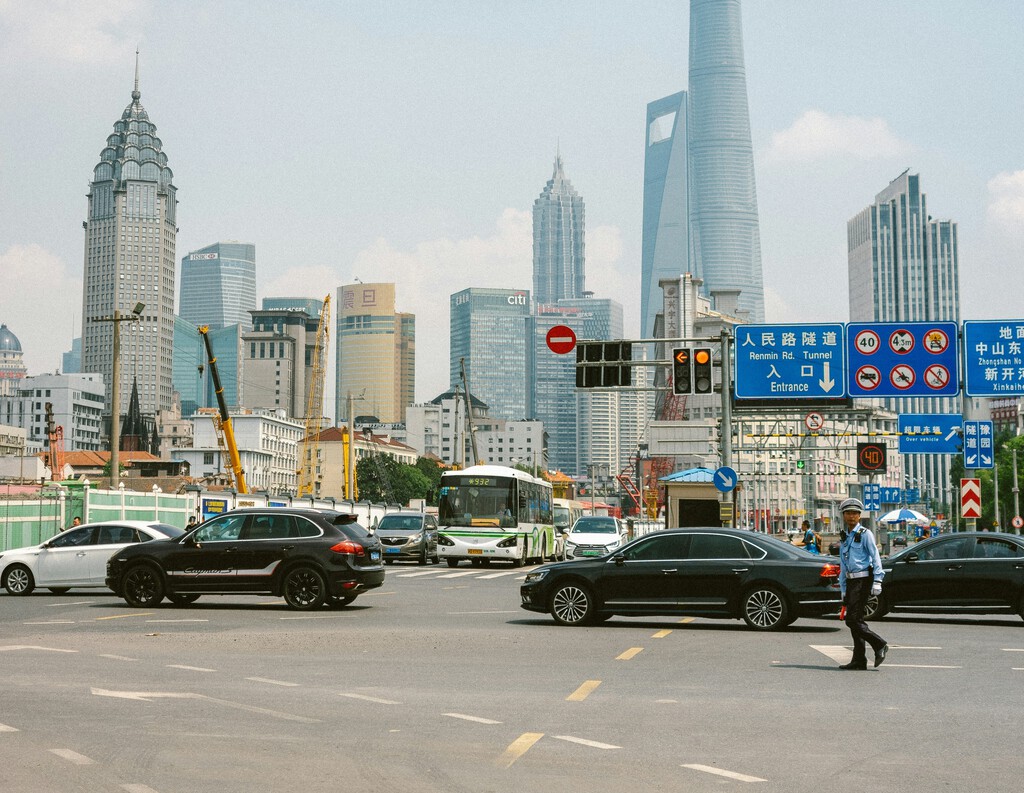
x=901, y=342
x=561, y=339
x=936, y=341
x=1018, y=522
x=868, y=378
x=902, y=377
x=814, y=421
x=936, y=376
x=867, y=342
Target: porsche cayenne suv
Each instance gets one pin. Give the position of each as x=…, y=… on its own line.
x=722, y=573
x=309, y=557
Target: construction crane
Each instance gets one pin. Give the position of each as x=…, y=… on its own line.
x=234, y=460
x=55, y=433
x=310, y=452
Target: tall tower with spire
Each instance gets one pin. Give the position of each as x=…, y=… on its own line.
x=558, y=251
x=130, y=232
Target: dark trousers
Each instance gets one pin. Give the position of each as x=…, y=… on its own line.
x=858, y=590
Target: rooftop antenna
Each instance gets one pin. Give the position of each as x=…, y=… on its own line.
x=135, y=93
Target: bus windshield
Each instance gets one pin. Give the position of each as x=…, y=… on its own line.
x=477, y=501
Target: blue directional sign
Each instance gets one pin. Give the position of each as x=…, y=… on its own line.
x=898, y=359
x=912, y=495
x=994, y=358
x=930, y=433
x=725, y=478
x=978, y=449
x=891, y=495
x=790, y=361
x=872, y=497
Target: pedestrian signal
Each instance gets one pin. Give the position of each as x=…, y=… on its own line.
x=703, y=382
x=682, y=371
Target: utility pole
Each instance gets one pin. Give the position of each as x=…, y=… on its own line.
x=350, y=484
x=1016, y=492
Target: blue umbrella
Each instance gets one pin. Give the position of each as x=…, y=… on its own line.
x=903, y=516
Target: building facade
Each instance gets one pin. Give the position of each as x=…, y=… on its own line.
x=489, y=336
x=77, y=405
x=193, y=380
x=558, y=240
x=12, y=362
x=130, y=234
x=440, y=429
x=218, y=285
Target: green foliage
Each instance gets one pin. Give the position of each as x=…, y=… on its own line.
x=1005, y=443
x=407, y=482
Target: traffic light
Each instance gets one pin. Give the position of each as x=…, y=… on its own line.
x=703, y=382
x=682, y=371
x=603, y=364
x=800, y=464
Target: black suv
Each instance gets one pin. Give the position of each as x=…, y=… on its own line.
x=309, y=557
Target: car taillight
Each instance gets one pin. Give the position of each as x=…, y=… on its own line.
x=348, y=547
x=830, y=571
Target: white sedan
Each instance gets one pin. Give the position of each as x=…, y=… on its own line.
x=76, y=557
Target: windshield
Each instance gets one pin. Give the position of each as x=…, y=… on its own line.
x=595, y=526
x=400, y=523
x=561, y=516
x=477, y=501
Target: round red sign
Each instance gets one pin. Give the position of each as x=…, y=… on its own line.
x=561, y=339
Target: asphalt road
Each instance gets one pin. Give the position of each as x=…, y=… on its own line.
x=438, y=681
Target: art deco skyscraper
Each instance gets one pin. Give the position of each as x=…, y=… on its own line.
x=725, y=238
x=130, y=234
x=558, y=250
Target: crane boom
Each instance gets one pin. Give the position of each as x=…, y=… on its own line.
x=234, y=460
x=315, y=404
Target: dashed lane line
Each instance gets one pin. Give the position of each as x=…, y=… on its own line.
x=73, y=757
x=367, y=698
x=586, y=742
x=271, y=682
x=125, y=616
x=136, y=788
x=36, y=647
x=182, y=620
x=707, y=769
x=477, y=719
x=632, y=652
x=117, y=657
x=459, y=574
x=51, y=622
x=70, y=603
x=190, y=668
x=661, y=634
x=518, y=748
x=462, y=613
x=8, y=728
x=502, y=574
x=584, y=691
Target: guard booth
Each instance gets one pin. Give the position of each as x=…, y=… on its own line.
x=692, y=499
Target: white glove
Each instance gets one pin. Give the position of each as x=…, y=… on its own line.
x=876, y=588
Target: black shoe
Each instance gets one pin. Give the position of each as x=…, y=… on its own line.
x=859, y=666
x=880, y=654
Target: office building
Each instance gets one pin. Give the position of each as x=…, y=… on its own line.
x=76, y=403
x=558, y=240
x=71, y=361
x=218, y=285
x=489, y=336
x=440, y=429
x=376, y=353
x=276, y=352
x=130, y=233
x=192, y=377
x=904, y=267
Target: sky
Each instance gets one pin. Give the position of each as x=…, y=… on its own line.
x=405, y=141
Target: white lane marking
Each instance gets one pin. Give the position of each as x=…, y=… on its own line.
x=585, y=742
x=478, y=719
x=190, y=668
x=722, y=772
x=134, y=788
x=459, y=574
x=416, y=574
x=454, y=613
x=188, y=620
x=35, y=647
x=272, y=682
x=74, y=757
x=921, y=666
x=313, y=617
x=909, y=647
x=51, y=622
x=72, y=603
x=1013, y=649
x=7, y=728
x=834, y=651
x=117, y=657
x=1017, y=668
x=368, y=699
x=499, y=575
x=147, y=696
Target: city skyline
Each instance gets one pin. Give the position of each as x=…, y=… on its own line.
x=828, y=128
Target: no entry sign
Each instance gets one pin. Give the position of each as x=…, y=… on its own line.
x=561, y=339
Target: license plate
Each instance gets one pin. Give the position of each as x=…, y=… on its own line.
x=475, y=550
x=590, y=553
x=374, y=556
x=392, y=550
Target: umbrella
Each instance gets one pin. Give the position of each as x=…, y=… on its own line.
x=904, y=516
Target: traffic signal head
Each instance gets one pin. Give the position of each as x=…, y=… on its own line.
x=799, y=463
x=682, y=371
x=603, y=364
x=703, y=381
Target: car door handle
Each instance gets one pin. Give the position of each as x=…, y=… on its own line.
x=669, y=571
x=232, y=549
x=955, y=567
x=287, y=547
x=741, y=569
x=80, y=553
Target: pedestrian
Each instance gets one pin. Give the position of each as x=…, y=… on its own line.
x=812, y=542
x=192, y=523
x=76, y=521
x=860, y=577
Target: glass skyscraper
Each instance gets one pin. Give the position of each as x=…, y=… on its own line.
x=130, y=234
x=558, y=244
x=489, y=333
x=218, y=285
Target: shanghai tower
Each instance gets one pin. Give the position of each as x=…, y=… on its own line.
x=724, y=235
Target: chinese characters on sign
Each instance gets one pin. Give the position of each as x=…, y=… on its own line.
x=994, y=358
x=785, y=361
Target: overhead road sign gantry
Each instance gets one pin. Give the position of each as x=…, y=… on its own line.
x=900, y=359
x=790, y=361
x=994, y=358
x=930, y=433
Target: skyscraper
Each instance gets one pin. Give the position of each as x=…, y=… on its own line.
x=489, y=333
x=218, y=285
x=726, y=240
x=558, y=245
x=130, y=234
x=666, y=229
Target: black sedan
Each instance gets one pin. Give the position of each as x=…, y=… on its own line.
x=310, y=557
x=710, y=572
x=965, y=573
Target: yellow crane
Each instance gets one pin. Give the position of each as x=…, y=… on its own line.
x=309, y=455
x=234, y=460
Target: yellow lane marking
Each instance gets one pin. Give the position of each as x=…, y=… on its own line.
x=583, y=691
x=122, y=616
x=661, y=634
x=518, y=748
x=686, y=620
x=632, y=651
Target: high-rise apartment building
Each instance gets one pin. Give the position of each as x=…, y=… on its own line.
x=904, y=267
x=376, y=353
x=130, y=234
x=558, y=240
x=218, y=285
x=76, y=402
x=725, y=237
x=489, y=336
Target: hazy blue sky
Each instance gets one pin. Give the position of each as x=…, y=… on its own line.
x=407, y=141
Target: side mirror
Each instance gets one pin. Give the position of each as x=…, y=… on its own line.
x=619, y=560
x=911, y=557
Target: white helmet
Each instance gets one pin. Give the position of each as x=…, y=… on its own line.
x=851, y=505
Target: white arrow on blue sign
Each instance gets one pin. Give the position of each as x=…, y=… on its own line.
x=872, y=497
x=725, y=478
x=930, y=433
x=790, y=361
x=978, y=449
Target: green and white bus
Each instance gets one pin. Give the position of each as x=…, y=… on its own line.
x=489, y=512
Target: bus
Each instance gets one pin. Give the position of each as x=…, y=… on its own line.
x=567, y=511
x=489, y=512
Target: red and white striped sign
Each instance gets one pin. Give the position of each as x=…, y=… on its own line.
x=970, y=498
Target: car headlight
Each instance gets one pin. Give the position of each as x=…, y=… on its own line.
x=416, y=537
x=570, y=544
x=535, y=576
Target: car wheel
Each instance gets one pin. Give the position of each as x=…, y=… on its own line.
x=452, y=561
x=18, y=580
x=304, y=588
x=543, y=550
x=183, y=598
x=572, y=604
x=521, y=560
x=424, y=558
x=876, y=608
x=142, y=587
x=337, y=601
x=59, y=590
x=765, y=609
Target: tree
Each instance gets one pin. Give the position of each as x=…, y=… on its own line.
x=405, y=482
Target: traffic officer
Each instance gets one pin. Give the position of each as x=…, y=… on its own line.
x=860, y=576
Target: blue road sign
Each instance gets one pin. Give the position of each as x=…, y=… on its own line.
x=930, y=433
x=994, y=358
x=790, y=361
x=978, y=448
x=898, y=359
x=872, y=497
x=725, y=478
x=912, y=495
x=891, y=495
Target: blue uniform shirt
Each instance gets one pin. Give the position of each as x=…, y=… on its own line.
x=855, y=557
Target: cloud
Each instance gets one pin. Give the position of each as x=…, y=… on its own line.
x=1006, y=203
x=817, y=135
x=70, y=30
